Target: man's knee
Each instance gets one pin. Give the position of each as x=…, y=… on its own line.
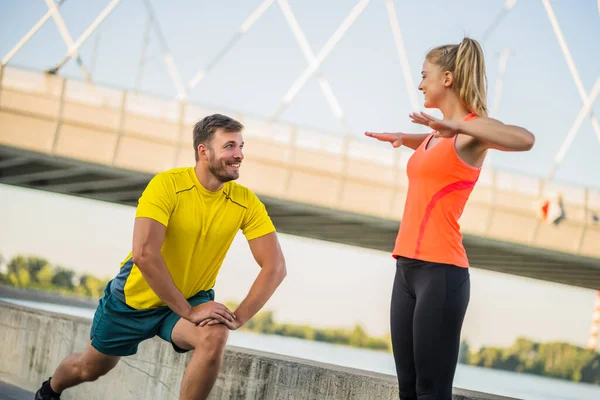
x=89, y=372
x=211, y=340
x=92, y=365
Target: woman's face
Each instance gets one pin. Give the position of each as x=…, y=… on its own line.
x=434, y=84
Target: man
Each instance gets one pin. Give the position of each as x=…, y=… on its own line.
x=185, y=222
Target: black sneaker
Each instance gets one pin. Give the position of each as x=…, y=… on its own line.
x=46, y=392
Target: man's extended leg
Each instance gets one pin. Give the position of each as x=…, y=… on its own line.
x=82, y=367
x=208, y=344
x=77, y=368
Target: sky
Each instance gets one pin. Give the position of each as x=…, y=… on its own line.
x=328, y=284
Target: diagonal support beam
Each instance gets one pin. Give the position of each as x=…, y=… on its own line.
x=499, y=81
x=167, y=55
x=508, y=5
x=85, y=36
x=310, y=58
x=146, y=40
x=410, y=85
x=34, y=29
x=64, y=32
x=498, y=95
x=246, y=25
x=325, y=51
x=589, y=102
x=570, y=63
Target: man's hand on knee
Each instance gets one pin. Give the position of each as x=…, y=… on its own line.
x=211, y=311
x=232, y=325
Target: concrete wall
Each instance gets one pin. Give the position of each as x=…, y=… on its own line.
x=34, y=342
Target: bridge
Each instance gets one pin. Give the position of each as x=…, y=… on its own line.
x=68, y=136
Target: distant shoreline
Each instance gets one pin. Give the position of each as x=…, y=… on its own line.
x=46, y=297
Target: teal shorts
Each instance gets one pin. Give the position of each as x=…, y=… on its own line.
x=117, y=328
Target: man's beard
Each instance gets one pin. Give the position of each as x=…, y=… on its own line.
x=219, y=170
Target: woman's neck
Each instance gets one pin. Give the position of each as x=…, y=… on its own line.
x=453, y=110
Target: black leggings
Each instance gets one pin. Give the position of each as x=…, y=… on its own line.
x=429, y=301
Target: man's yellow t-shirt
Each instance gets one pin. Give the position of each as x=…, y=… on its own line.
x=200, y=228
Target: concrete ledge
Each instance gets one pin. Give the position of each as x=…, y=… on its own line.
x=42, y=296
x=34, y=342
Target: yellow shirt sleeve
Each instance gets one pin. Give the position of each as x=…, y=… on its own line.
x=158, y=199
x=257, y=221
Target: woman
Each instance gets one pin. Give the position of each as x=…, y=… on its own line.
x=431, y=287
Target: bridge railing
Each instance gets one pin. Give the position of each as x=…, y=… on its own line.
x=147, y=133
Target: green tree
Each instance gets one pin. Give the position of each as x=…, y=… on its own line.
x=262, y=322
x=297, y=331
x=18, y=272
x=358, y=337
x=590, y=372
x=3, y=273
x=558, y=360
x=34, y=266
x=90, y=286
x=20, y=278
x=377, y=344
x=63, y=278
x=464, y=352
x=17, y=264
x=44, y=277
x=487, y=357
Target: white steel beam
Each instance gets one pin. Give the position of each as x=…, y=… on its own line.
x=34, y=29
x=246, y=25
x=310, y=58
x=410, y=85
x=325, y=51
x=575, y=127
x=64, y=32
x=499, y=81
x=140, y=71
x=166, y=53
x=508, y=5
x=498, y=95
x=570, y=63
x=85, y=36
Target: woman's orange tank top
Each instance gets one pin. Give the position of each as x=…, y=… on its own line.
x=439, y=185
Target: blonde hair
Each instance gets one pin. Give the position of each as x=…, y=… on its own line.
x=466, y=62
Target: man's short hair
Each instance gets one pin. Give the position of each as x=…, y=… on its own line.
x=204, y=130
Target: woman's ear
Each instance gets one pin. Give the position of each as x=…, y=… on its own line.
x=448, y=78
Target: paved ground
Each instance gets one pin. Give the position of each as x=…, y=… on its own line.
x=8, y=392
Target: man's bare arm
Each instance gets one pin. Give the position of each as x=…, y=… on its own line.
x=268, y=255
x=148, y=237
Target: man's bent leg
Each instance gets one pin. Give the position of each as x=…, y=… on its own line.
x=208, y=344
x=82, y=367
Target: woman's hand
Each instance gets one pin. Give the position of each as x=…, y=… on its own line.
x=443, y=128
x=394, y=138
